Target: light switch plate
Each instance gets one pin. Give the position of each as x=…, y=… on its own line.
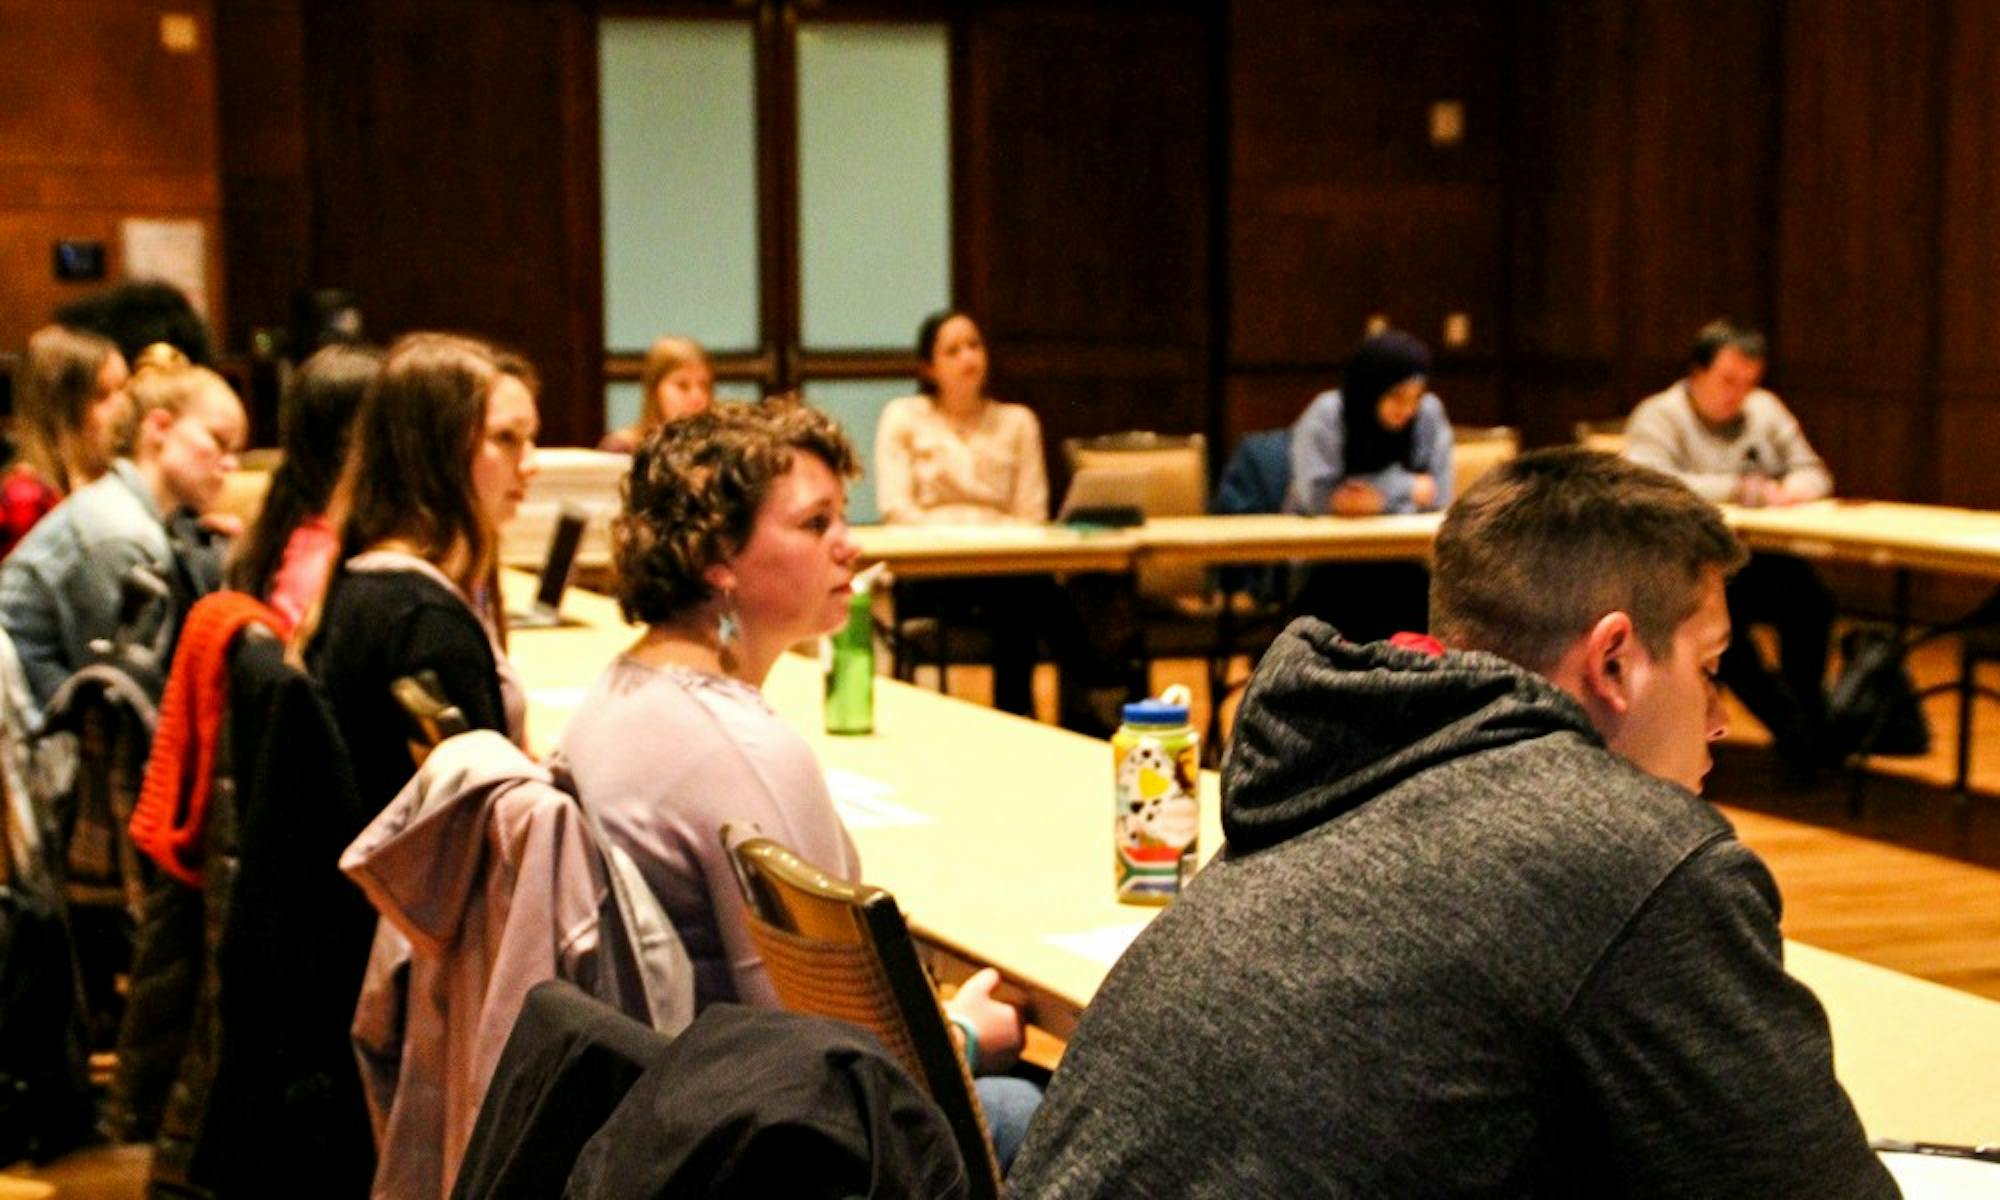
x=180, y=33
x=1457, y=330
x=1447, y=122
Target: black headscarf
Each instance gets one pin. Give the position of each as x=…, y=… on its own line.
x=1382, y=361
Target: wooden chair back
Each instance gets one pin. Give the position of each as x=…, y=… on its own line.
x=841, y=950
x=433, y=717
x=1475, y=451
x=1175, y=470
x=1607, y=436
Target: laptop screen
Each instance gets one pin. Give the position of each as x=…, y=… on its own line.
x=562, y=555
x=1097, y=488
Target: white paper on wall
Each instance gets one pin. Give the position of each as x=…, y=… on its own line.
x=172, y=251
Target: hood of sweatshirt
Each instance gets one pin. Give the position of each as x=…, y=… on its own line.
x=1328, y=725
x=423, y=860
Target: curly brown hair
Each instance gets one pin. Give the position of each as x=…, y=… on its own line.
x=692, y=497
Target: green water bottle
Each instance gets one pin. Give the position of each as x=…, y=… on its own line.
x=850, y=668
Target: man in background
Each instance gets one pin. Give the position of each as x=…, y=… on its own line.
x=1733, y=442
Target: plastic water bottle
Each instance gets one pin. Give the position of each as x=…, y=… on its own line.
x=850, y=668
x=1156, y=818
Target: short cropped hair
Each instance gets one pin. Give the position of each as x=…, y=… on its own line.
x=692, y=497
x=1543, y=546
x=1725, y=334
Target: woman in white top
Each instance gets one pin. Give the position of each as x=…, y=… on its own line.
x=952, y=454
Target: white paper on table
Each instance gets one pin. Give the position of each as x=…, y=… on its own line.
x=863, y=801
x=1940, y=1177
x=1101, y=945
x=171, y=251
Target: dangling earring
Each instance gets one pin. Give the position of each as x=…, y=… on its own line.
x=728, y=629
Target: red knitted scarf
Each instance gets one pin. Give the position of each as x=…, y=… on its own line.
x=172, y=812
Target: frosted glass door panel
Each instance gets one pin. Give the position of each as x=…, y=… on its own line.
x=874, y=182
x=679, y=134
x=857, y=404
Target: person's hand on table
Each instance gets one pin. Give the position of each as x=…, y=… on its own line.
x=1423, y=492
x=995, y=1023
x=1761, y=491
x=1356, y=499
x=1779, y=494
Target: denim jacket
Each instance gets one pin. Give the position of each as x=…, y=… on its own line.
x=59, y=589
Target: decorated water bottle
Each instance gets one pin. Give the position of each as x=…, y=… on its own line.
x=1156, y=821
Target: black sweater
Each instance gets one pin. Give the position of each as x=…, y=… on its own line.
x=376, y=627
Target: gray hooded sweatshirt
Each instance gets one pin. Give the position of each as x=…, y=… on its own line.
x=1454, y=947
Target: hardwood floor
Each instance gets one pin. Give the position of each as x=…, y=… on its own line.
x=1911, y=882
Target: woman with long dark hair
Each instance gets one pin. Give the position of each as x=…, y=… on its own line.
x=288, y=551
x=442, y=453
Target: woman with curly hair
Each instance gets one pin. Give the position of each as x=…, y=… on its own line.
x=733, y=545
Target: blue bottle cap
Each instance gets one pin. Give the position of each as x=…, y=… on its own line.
x=1155, y=711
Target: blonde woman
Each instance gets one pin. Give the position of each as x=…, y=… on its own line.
x=60, y=587
x=676, y=382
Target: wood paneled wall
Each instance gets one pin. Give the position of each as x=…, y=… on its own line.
x=99, y=122
x=1172, y=215
x=1340, y=207
x=435, y=157
x=1632, y=168
x=1087, y=207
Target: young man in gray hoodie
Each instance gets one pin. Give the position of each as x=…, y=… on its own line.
x=1474, y=933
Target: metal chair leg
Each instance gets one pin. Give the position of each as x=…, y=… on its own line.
x=1968, y=693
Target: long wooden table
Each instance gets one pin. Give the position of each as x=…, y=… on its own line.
x=1877, y=533
x=923, y=551
x=994, y=832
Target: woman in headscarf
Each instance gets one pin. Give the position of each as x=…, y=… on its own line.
x=1380, y=443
